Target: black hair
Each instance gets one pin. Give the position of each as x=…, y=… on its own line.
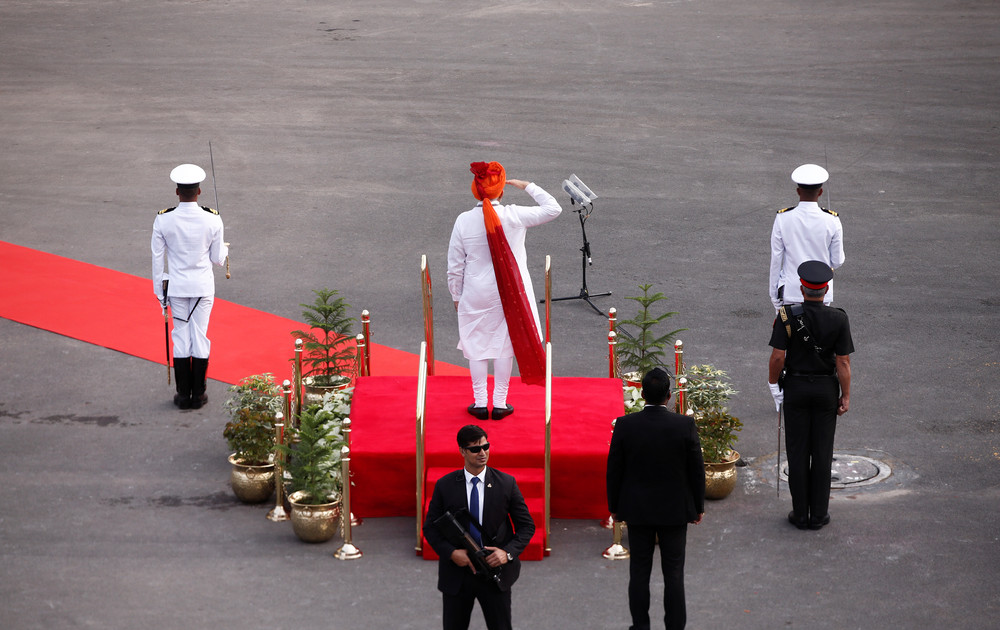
x=469, y=434
x=656, y=386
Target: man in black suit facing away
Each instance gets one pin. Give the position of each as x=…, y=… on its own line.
x=490, y=505
x=656, y=484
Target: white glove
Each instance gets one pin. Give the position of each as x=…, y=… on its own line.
x=777, y=395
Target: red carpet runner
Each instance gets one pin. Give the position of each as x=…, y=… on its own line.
x=118, y=311
x=383, y=442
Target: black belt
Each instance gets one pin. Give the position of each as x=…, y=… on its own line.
x=812, y=374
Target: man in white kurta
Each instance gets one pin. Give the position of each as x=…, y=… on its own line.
x=482, y=328
x=803, y=232
x=190, y=238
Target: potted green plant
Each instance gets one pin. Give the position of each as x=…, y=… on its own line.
x=252, y=405
x=329, y=353
x=707, y=395
x=313, y=468
x=641, y=347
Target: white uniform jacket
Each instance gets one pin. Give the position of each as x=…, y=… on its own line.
x=802, y=233
x=191, y=239
x=482, y=328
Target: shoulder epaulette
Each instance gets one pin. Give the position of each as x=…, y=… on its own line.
x=210, y=210
x=830, y=212
x=166, y=210
x=786, y=209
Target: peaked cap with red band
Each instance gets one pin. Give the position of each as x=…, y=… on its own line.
x=815, y=274
x=488, y=184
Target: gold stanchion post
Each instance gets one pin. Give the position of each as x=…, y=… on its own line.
x=298, y=383
x=355, y=521
x=362, y=358
x=286, y=390
x=613, y=371
x=616, y=551
x=347, y=551
x=609, y=522
x=678, y=372
x=366, y=331
x=548, y=298
x=278, y=513
x=428, y=296
x=681, y=387
x=421, y=401
x=547, y=542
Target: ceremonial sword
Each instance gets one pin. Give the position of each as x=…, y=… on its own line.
x=777, y=464
x=166, y=327
x=215, y=187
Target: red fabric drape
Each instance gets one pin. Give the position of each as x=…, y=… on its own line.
x=520, y=322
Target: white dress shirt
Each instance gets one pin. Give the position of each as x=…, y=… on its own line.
x=803, y=233
x=190, y=239
x=482, y=328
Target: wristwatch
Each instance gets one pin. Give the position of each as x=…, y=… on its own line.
x=510, y=558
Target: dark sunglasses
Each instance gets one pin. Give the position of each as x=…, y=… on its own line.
x=476, y=449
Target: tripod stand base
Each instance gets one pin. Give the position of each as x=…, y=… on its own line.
x=585, y=296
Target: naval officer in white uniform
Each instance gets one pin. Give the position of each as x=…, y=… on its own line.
x=189, y=238
x=801, y=233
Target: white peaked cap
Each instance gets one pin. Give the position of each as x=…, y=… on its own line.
x=810, y=175
x=187, y=174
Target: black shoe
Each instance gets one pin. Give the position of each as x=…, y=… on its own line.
x=197, y=402
x=819, y=523
x=480, y=413
x=500, y=414
x=801, y=523
x=182, y=402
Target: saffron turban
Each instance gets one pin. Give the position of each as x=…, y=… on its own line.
x=489, y=180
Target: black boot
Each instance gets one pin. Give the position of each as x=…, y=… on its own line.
x=199, y=368
x=182, y=374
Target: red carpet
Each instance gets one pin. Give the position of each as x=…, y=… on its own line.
x=383, y=442
x=118, y=311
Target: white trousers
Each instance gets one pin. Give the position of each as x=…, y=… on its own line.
x=191, y=317
x=479, y=369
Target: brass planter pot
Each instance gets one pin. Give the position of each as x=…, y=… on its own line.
x=314, y=523
x=251, y=484
x=720, y=478
x=313, y=393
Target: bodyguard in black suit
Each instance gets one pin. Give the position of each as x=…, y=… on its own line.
x=504, y=525
x=656, y=484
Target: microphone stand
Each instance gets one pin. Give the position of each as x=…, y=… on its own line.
x=585, y=293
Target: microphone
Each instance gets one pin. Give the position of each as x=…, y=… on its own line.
x=591, y=195
x=575, y=193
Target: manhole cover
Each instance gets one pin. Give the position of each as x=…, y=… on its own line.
x=851, y=471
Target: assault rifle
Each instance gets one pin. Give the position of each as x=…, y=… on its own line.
x=460, y=536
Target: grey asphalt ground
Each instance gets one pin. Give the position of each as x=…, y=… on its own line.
x=342, y=134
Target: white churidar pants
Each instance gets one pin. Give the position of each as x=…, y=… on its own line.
x=479, y=369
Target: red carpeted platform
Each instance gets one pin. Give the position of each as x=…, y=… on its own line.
x=383, y=441
x=118, y=311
